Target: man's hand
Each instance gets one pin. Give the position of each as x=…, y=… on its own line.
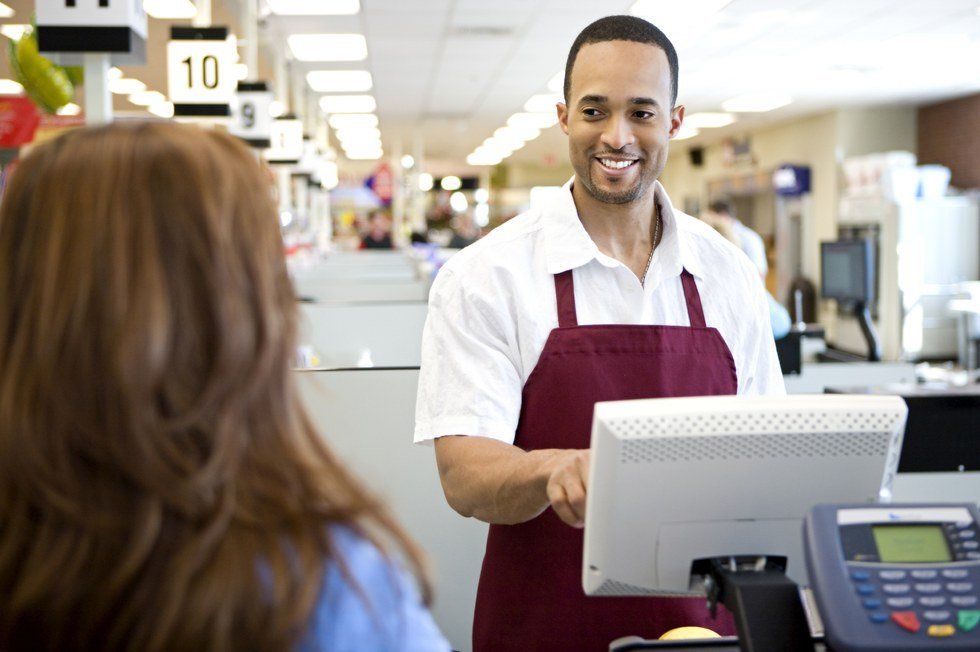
x=567, y=486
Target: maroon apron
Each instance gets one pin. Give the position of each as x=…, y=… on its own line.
x=530, y=595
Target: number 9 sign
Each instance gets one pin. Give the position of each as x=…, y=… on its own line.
x=199, y=71
x=251, y=115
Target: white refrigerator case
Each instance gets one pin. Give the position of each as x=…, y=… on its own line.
x=926, y=249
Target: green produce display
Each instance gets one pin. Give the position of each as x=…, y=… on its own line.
x=48, y=84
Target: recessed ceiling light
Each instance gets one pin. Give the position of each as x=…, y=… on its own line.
x=544, y=103
x=355, y=120
x=534, y=120
x=126, y=86
x=708, y=120
x=408, y=161
x=170, y=9
x=147, y=98
x=451, y=183
x=328, y=47
x=348, y=104
x=10, y=87
x=115, y=73
x=314, y=7
x=163, y=109
x=339, y=81
x=5, y=11
x=756, y=102
x=686, y=132
x=358, y=134
x=426, y=182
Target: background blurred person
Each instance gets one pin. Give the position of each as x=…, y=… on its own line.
x=378, y=234
x=721, y=215
x=465, y=231
x=161, y=487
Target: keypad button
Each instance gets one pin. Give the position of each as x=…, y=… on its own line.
x=892, y=575
x=970, y=545
x=900, y=603
x=929, y=587
x=964, y=600
x=968, y=534
x=973, y=554
x=874, y=603
x=925, y=574
x=932, y=601
x=865, y=589
x=959, y=587
x=937, y=616
x=860, y=576
x=955, y=573
x=878, y=617
x=907, y=620
x=941, y=630
x=968, y=620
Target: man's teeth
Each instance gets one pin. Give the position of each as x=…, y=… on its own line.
x=616, y=165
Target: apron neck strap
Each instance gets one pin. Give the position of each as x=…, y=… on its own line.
x=694, y=311
x=565, y=295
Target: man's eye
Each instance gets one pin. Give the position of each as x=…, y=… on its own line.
x=643, y=115
x=591, y=113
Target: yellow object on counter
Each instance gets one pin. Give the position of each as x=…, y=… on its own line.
x=681, y=633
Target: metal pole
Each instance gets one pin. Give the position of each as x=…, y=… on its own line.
x=98, y=99
x=203, y=16
x=250, y=29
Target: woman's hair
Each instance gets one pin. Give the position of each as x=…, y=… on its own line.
x=161, y=487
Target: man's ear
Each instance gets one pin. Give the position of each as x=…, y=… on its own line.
x=676, y=120
x=562, y=116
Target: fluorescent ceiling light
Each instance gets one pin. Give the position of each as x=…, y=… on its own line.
x=115, y=73
x=353, y=120
x=348, y=104
x=686, y=132
x=276, y=108
x=756, y=102
x=5, y=11
x=14, y=32
x=147, y=98
x=533, y=120
x=339, y=81
x=478, y=159
x=314, y=7
x=451, y=183
x=708, y=120
x=363, y=147
x=328, y=47
x=426, y=182
x=544, y=103
x=163, y=109
x=676, y=14
x=348, y=133
x=364, y=156
x=240, y=71
x=408, y=161
x=458, y=202
x=556, y=84
x=126, y=86
x=170, y=9
x=70, y=109
x=10, y=87
x=523, y=132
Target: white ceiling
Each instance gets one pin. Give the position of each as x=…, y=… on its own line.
x=452, y=71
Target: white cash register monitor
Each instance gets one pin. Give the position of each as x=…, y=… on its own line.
x=680, y=479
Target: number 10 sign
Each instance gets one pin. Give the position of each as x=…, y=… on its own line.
x=200, y=74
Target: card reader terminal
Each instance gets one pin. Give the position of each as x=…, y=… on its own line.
x=896, y=577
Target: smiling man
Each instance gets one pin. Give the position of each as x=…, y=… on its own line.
x=608, y=293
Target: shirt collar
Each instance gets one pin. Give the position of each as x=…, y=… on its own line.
x=568, y=245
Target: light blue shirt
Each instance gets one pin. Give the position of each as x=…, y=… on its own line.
x=387, y=614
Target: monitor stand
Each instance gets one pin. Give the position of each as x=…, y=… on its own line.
x=863, y=314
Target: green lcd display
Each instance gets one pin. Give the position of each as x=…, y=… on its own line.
x=911, y=544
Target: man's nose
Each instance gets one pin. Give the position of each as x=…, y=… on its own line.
x=618, y=133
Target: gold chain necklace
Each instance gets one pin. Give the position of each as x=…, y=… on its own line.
x=653, y=247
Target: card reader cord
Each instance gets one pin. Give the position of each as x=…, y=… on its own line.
x=530, y=595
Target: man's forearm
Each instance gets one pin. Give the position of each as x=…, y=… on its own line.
x=493, y=481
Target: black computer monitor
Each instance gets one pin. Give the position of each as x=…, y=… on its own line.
x=847, y=271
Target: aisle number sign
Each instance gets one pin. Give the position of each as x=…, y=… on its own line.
x=251, y=114
x=287, y=141
x=115, y=26
x=200, y=71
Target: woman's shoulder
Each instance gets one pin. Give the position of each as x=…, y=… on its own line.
x=368, y=601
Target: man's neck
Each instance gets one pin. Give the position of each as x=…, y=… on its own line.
x=621, y=231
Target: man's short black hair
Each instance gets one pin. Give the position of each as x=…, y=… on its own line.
x=623, y=28
x=724, y=206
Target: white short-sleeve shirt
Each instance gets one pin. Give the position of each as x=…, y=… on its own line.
x=493, y=305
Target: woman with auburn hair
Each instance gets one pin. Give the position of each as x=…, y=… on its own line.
x=161, y=487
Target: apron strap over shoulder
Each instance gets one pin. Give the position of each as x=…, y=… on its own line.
x=565, y=293
x=694, y=311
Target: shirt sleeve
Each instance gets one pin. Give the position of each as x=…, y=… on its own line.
x=376, y=608
x=469, y=382
x=763, y=373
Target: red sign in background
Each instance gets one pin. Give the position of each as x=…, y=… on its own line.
x=19, y=119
